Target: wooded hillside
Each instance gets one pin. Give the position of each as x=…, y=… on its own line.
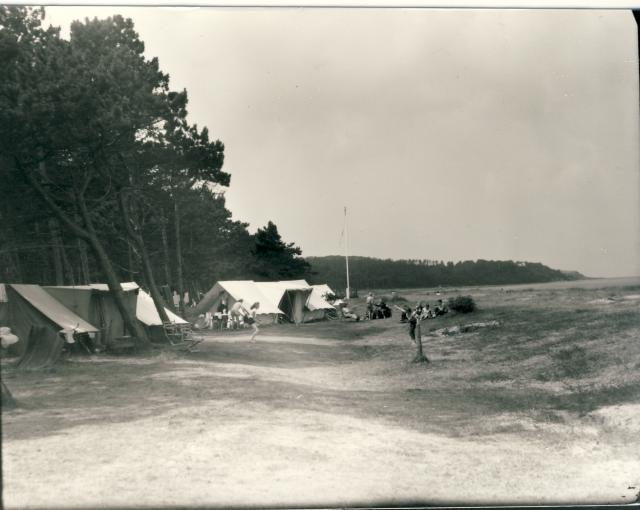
x=372, y=273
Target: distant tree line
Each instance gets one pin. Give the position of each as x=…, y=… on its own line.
x=103, y=177
x=373, y=273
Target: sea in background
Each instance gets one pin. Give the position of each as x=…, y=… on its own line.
x=589, y=283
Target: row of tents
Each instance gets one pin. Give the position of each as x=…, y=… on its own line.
x=91, y=309
x=293, y=300
x=83, y=309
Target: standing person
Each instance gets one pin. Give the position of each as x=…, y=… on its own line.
x=414, y=317
x=413, y=321
x=370, y=305
x=221, y=313
x=237, y=311
x=222, y=307
x=251, y=319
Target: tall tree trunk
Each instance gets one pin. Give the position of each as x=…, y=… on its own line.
x=18, y=274
x=8, y=402
x=144, y=255
x=130, y=258
x=85, y=272
x=130, y=320
x=55, y=246
x=89, y=234
x=180, y=283
x=68, y=268
x=44, y=268
x=165, y=252
x=156, y=295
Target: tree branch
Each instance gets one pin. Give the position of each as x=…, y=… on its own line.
x=57, y=210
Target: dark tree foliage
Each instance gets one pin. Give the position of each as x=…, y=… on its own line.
x=275, y=259
x=369, y=273
x=103, y=178
x=215, y=247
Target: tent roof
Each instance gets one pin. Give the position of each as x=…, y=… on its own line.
x=102, y=287
x=275, y=290
x=147, y=314
x=316, y=300
x=52, y=308
x=250, y=292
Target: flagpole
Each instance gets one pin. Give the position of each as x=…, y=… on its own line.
x=346, y=252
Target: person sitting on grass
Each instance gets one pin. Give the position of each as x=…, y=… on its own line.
x=427, y=313
x=347, y=313
x=203, y=321
x=385, y=310
x=440, y=308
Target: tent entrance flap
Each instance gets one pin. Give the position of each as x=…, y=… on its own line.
x=293, y=304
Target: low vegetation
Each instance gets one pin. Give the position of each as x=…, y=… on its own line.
x=462, y=304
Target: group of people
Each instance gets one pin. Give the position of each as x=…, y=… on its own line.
x=422, y=311
x=236, y=317
x=377, y=309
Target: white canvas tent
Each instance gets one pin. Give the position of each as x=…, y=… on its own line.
x=29, y=307
x=316, y=306
x=291, y=297
x=233, y=290
x=96, y=304
x=147, y=313
x=295, y=300
x=53, y=309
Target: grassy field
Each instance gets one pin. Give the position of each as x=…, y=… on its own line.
x=542, y=408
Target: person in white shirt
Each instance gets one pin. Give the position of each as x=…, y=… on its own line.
x=369, y=302
x=236, y=313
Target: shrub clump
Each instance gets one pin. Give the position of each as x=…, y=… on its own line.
x=462, y=304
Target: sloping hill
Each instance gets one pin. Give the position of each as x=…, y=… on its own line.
x=368, y=272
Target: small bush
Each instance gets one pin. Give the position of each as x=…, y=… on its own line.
x=462, y=304
x=329, y=296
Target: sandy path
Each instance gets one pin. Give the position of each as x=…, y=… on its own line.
x=298, y=422
x=222, y=455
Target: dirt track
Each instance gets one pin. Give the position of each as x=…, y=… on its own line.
x=301, y=420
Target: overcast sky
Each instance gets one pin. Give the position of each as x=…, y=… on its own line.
x=448, y=134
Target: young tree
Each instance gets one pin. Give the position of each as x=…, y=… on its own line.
x=275, y=259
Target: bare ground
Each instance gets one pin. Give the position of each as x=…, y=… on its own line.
x=542, y=409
